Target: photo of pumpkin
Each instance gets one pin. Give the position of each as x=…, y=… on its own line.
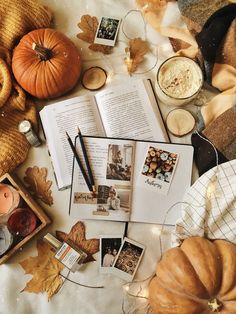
x=196, y=278
x=46, y=63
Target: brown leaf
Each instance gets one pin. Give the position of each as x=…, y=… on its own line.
x=88, y=25
x=136, y=51
x=45, y=270
x=38, y=184
x=77, y=236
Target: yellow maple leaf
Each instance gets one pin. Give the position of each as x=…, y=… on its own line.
x=45, y=270
x=37, y=179
x=77, y=236
x=136, y=52
x=88, y=25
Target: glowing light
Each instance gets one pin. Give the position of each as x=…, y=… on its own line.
x=156, y=230
x=126, y=288
x=110, y=77
x=145, y=293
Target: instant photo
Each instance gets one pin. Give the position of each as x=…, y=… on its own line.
x=109, y=248
x=158, y=169
x=107, y=31
x=128, y=259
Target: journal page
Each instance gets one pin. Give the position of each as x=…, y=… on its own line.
x=162, y=175
x=111, y=163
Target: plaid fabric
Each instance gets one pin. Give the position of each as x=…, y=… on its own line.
x=209, y=208
x=205, y=30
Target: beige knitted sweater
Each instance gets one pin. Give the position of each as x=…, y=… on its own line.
x=17, y=17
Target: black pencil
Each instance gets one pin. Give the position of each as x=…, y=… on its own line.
x=86, y=160
x=79, y=163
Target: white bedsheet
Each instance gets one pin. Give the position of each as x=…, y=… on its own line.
x=72, y=298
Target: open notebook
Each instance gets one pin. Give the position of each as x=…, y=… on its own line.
x=128, y=110
x=136, y=180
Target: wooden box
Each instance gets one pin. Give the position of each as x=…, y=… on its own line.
x=27, y=198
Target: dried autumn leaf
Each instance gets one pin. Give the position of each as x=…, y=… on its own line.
x=88, y=25
x=38, y=184
x=136, y=52
x=77, y=236
x=45, y=270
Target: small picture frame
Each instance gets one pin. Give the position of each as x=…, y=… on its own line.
x=128, y=259
x=107, y=31
x=109, y=248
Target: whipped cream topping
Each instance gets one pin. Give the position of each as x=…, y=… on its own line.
x=180, y=77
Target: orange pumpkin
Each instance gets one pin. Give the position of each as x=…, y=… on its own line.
x=197, y=277
x=46, y=63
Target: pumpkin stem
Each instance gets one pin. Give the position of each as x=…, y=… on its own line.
x=214, y=305
x=43, y=53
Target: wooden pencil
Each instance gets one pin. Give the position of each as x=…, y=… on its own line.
x=86, y=160
x=79, y=163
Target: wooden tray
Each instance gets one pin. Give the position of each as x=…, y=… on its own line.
x=25, y=195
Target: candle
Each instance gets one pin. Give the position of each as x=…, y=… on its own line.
x=6, y=239
x=9, y=199
x=22, y=222
x=179, y=80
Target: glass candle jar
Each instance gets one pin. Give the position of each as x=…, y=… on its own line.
x=179, y=80
x=22, y=222
x=9, y=200
x=6, y=239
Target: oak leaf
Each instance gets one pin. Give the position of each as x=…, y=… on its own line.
x=36, y=178
x=136, y=52
x=45, y=269
x=88, y=25
x=77, y=236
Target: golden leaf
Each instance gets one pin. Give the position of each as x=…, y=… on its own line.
x=45, y=270
x=77, y=236
x=88, y=25
x=136, y=51
x=38, y=184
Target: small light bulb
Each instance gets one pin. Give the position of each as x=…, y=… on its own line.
x=156, y=230
x=110, y=77
x=211, y=190
x=126, y=288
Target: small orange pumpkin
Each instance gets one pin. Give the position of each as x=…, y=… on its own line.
x=46, y=63
x=199, y=277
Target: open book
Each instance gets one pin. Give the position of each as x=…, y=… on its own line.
x=136, y=180
x=129, y=110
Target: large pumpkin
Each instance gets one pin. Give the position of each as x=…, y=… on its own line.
x=46, y=63
x=198, y=277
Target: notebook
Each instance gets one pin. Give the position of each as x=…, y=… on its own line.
x=136, y=180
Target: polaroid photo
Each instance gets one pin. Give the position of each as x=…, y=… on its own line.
x=158, y=170
x=119, y=162
x=109, y=247
x=107, y=31
x=128, y=259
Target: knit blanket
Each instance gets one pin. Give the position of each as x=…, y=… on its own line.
x=17, y=17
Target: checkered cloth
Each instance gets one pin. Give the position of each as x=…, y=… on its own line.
x=209, y=206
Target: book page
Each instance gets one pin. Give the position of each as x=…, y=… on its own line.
x=162, y=174
x=111, y=162
x=66, y=116
x=131, y=111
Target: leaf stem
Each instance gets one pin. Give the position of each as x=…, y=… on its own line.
x=43, y=53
